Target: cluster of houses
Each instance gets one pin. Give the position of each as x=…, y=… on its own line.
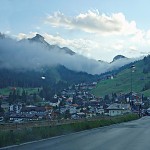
x=73, y=103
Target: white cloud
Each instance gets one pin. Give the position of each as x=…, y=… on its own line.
x=80, y=46
x=7, y=32
x=133, y=48
x=117, y=46
x=21, y=36
x=94, y=22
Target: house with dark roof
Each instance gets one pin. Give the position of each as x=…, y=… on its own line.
x=32, y=111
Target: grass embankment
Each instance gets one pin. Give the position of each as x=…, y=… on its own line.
x=36, y=133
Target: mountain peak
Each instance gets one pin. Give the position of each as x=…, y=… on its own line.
x=38, y=38
x=118, y=57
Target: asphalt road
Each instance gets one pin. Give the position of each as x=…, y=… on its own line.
x=134, y=135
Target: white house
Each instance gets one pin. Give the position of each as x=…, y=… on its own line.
x=100, y=111
x=5, y=106
x=15, y=108
x=54, y=102
x=118, y=109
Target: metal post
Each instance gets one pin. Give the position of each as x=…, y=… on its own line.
x=131, y=100
x=132, y=70
x=131, y=81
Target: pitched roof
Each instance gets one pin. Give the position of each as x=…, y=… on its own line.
x=116, y=106
x=29, y=109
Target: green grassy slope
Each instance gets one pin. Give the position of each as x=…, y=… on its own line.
x=6, y=91
x=122, y=82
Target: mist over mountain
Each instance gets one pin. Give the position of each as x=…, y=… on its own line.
x=40, y=39
x=36, y=53
x=118, y=57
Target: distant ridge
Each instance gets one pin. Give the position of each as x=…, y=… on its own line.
x=40, y=39
x=118, y=57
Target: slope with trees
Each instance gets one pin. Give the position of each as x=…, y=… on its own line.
x=122, y=80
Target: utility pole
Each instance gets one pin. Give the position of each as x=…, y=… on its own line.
x=132, y=70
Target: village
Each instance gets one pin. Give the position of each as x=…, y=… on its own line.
x=75, y=102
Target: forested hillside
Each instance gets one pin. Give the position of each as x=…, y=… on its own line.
x=32, y=78
x=121, y=82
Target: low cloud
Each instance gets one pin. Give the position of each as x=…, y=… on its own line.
x=33, y=55
x=98, y=47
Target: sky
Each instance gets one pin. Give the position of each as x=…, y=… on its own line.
x=96, y=29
